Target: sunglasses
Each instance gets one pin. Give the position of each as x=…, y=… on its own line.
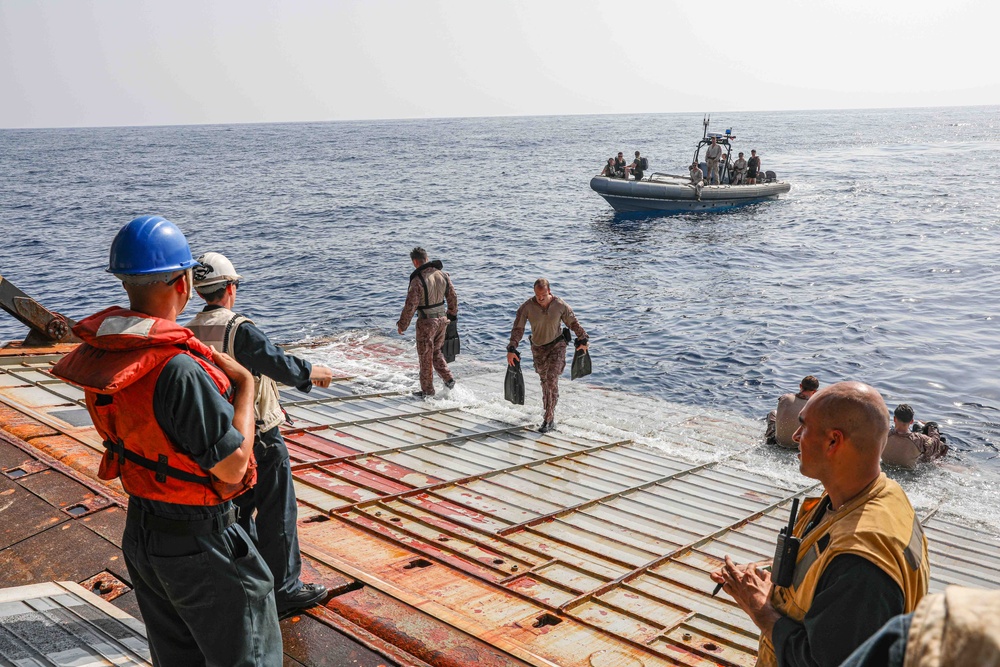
x=176, y=278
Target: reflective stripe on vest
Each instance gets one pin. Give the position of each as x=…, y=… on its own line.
x=218, y=327
x=879, y=525
x=118, y=367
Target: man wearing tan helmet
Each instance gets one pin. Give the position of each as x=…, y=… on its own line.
x=273, y=497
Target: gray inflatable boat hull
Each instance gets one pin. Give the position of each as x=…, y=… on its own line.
x=674, y=194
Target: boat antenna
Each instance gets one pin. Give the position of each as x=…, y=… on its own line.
x=704, y=122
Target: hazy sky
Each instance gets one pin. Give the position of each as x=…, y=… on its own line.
x=140, y=62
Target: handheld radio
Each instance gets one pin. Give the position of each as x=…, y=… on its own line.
x=787, y=552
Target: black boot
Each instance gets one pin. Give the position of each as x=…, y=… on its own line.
x=307, y=596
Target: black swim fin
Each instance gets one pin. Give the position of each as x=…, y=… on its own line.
x=452, y=346
x=581, y=365
x=513, y=383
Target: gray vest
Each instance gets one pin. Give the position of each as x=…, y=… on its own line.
x=218, y=327
x=435, y=284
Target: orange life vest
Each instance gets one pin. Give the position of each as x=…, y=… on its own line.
x=117, y=366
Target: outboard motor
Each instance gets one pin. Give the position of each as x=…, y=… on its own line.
x=770, y=176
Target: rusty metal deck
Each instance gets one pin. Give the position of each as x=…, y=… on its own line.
x=559, y=549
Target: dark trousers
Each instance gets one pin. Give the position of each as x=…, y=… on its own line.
x=274, y=528
x=886, y=648
x=550, y=362
x=206, y=600
x=430, y=338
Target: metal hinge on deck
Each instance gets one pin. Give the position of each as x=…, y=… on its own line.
x=47, y=327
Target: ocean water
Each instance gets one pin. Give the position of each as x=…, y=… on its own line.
x=880, y=265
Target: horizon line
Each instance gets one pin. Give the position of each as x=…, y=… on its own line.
x=489, y=116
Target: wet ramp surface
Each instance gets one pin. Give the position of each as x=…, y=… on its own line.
x=560, y=547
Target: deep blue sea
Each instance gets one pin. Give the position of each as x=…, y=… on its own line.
x=880, y=265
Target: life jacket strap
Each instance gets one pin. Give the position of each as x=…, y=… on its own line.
x=161, y=467
x=230, y=390
x=433, y=305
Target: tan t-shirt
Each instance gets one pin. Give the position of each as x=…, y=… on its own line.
x=546, y=323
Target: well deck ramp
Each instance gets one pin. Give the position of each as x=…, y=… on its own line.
x=568, y=548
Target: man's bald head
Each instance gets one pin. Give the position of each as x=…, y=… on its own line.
x=856, y=410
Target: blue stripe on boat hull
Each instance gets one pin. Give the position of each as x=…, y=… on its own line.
x=644, y=204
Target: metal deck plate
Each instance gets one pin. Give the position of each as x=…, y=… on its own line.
x=561, y=548
x=60, y=623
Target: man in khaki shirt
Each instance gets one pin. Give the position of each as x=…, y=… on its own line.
x=712, y=156
x=739, y=170
x=905, y=447
x=783, y=422
x=547, y=314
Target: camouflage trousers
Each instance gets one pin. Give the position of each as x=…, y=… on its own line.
x=550, y=362
x=430, y=338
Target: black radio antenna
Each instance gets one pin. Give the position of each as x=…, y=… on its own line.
x=791, y=517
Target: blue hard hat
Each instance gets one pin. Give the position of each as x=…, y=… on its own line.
x=149, y=244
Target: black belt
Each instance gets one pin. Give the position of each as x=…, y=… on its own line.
x=564, y=337
x=210, y=526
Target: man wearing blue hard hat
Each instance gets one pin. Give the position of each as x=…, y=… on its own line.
x=177, y=419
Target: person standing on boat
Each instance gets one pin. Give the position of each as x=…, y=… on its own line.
x=753, y=167
x=904, y=447
x=177, y=419
x=783, y=421
x=739, y=170
x=712, y=156
x=636, y=167
x=274, y=527
x=697, y=179
x=547, y=314
x=430, y=289
x=863, y=556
